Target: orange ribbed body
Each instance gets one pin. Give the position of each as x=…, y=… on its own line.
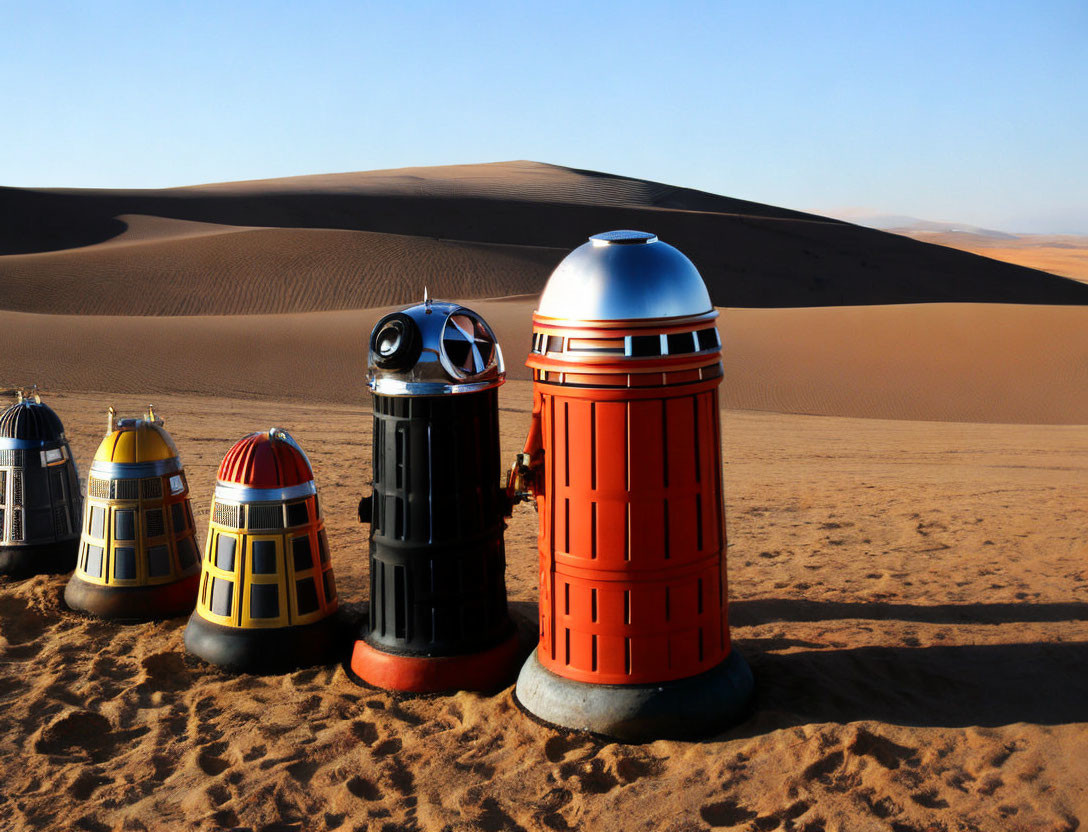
x=632, y=533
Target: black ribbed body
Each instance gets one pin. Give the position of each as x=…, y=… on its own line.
x=437, y=561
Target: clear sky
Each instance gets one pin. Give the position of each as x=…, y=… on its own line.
x=975, y=112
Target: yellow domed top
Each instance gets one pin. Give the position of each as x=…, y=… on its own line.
x=136, y=440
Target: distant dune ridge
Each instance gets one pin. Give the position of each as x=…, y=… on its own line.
x=749, y=254
x=270, y=288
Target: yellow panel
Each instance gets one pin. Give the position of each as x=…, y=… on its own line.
x=140, y=563
x=80, y=571
x=284, y=580
x=204, y=600
x=278, y=579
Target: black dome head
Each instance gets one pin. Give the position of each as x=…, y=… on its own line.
x=32, y=420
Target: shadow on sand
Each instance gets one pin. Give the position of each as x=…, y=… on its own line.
x=955, y=686
x=765, y=611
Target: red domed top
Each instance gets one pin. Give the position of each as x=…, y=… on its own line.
x=270, y=459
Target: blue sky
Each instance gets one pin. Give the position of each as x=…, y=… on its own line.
x=965, y=111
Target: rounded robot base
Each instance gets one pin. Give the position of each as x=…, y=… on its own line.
x=485, y=671
x=39, y=559
x=142, y=603
x=682, y=709
x=267, y=650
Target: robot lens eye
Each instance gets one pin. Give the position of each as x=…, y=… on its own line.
x=389, y=340
x=395, y=343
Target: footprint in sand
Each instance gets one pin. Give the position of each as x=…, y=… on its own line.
x=930, y=799
x=387, y=747
x=889, y=754
x=217, y=794
x=401, y=778
x=591, y=774
x=86, y=784
x=81, y=733
x=557, y=748
x=824, y=767
x=364, y=789
x=303, y=771
x=209, y=760
x=162, y=767
x=21, y=628
x=883, y=807
x=365, y=732
x=549, y=807
x=726, y=813
x=165, y=672
x=226, y=819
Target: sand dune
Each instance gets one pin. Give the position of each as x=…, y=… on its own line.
x=520, y=181
x=750, y=254
x=1065, y=255
x=964, y=362
x=270, y=270
x=961, y=362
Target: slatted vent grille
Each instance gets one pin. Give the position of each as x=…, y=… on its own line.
x=155, y=526
x=60, y=520
x=98, y=488
x=56, y=484
x=126, y=489
x=151, y=488
x=266, y=517
x=227, y=515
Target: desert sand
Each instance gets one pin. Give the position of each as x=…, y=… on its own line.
x=1061, y=254
x=906, y=487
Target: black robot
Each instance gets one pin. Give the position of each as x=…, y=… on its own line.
x=438, y=614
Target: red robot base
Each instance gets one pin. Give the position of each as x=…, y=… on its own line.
x=486, y=671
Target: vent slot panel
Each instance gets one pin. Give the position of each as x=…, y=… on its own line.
x=126, y=489
x=60, y=520
x=227, y=515
x=154, y=523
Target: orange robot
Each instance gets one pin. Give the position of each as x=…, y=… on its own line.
x=624, y=461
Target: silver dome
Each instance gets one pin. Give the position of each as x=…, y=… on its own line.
x=432, y=349
x=621, y=276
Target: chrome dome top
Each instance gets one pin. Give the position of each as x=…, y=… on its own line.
x=624, y=275
x=433, y=348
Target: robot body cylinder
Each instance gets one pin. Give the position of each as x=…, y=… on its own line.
x=438, y=616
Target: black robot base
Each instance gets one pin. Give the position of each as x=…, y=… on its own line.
x=270, y=650
x=39, y=559
x=139, y=603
